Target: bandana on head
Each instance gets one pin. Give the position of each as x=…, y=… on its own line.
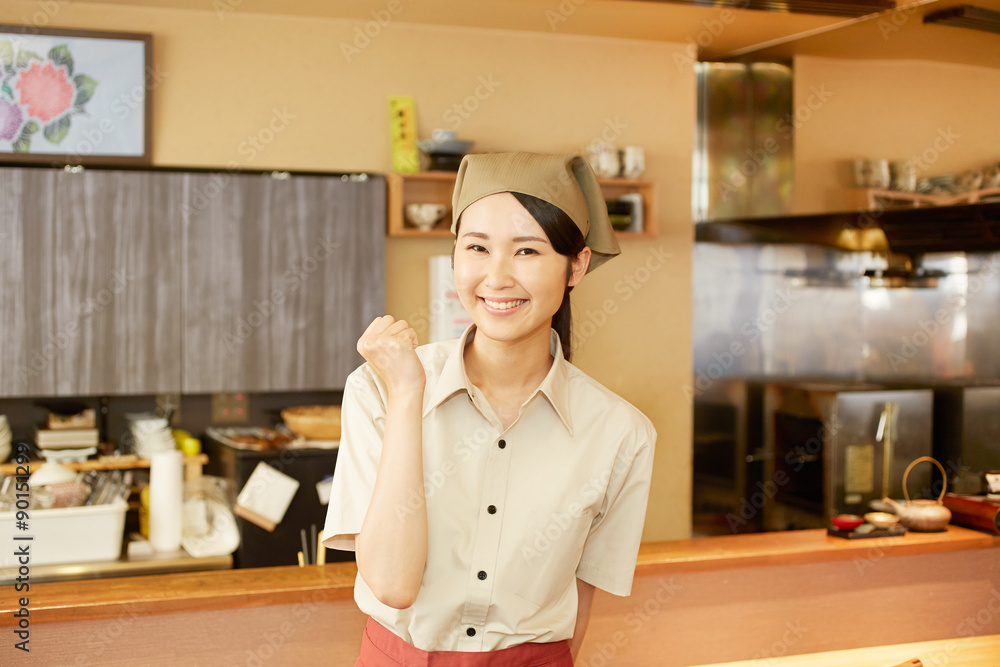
x=565, y=181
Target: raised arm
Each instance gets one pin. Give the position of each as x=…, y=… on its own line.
x=391, y=549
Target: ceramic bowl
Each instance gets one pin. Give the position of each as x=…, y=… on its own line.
x=881, y=519
x=425, y=216
x=847, y=521
x=51, y=472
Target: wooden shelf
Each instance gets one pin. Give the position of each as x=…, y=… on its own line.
x=191, y=463
x=436, y=187
x=869, y=199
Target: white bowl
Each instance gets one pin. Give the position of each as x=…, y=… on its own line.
x=425, y=216
x=51, y=473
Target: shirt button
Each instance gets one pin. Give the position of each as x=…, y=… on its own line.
x=502, y=444
x=492, y=509
x=481, y=575
x=471, y=632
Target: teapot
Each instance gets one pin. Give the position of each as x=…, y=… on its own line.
x=922, y=515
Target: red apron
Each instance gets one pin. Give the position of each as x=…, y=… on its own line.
x=381, y=647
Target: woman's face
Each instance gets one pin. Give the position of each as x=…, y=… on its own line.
x=508, y=276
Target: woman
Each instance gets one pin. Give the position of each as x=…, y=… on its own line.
x=486, y=485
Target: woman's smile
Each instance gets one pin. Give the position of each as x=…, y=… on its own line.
x=502, y=306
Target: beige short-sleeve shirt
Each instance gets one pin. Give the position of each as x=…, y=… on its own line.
x=514, y=516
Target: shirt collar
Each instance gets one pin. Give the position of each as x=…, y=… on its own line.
x=555, y=385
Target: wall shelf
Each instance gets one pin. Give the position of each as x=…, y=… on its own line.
x=436, y=187
x=192, y=464
x=870, y=199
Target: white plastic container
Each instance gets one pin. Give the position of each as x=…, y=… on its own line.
x=66, y=534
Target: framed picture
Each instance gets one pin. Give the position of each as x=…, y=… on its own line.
x=71, y=97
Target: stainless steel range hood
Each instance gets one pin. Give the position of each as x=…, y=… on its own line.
x=743, y=179
x=969, y=228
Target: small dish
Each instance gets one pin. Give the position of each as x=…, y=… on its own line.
x=881, y=519
x=425, y=216
x=446, y=147
x=847, y=521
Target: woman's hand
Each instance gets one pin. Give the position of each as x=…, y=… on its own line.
x=389, y=346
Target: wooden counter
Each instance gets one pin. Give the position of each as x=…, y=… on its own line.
x=965, y=652
x=696, y=601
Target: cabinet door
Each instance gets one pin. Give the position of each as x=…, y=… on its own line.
x=327, y=264
x=91, y=283
x=281, y=278
x=224, y=272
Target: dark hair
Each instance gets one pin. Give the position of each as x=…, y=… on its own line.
x=566, y=239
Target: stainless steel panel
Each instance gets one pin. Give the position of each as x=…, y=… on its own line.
x=808, y=312
x=744, y=141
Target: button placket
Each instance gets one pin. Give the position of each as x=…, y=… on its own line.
x=485, y=550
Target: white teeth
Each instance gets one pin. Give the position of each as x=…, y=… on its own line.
x=503, y=305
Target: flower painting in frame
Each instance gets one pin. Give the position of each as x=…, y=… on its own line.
x=70, y=97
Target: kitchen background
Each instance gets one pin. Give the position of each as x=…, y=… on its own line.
x=223, y=71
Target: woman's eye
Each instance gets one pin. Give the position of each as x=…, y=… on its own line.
x=476, y=248
x=527, y=251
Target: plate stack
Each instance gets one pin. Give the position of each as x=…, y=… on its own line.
x=150, y=434
x=4, y=438
x=445, y=150
x=68, y=435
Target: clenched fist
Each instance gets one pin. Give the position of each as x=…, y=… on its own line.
x=388, y=345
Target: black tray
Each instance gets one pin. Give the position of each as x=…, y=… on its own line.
x=891, y=531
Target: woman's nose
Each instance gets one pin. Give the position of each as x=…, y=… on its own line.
x=498, y=273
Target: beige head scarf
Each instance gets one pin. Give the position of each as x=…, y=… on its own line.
x=565, y=181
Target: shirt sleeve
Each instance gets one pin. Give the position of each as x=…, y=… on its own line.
x=609, y=555
x=362, y=429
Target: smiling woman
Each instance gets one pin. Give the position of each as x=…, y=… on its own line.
x=490, y=554
x=511, y=278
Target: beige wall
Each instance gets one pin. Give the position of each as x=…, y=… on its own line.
x=942, y=114
x=223, y=79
